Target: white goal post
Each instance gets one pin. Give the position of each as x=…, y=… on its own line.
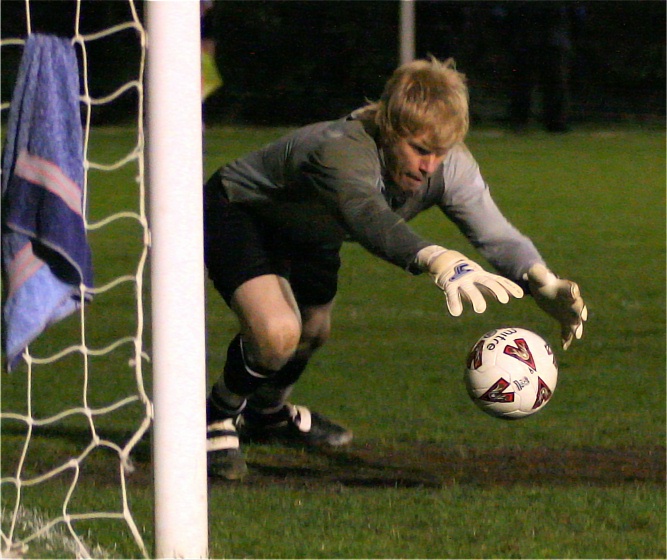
x=406, y=45
x=177, y=275
x=55, y=441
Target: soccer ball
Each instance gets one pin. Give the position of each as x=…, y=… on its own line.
x=511, y=373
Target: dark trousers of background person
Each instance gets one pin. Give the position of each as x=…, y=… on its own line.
x=544, y=68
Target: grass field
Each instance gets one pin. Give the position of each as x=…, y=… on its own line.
x=428, y=475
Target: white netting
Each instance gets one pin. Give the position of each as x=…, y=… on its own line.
x=80, y=398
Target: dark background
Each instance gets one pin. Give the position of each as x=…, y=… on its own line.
x=291, y=62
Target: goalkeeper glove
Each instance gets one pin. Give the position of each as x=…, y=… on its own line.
x=559, y=298
x=462, y=279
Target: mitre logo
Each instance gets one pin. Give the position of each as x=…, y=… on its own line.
x=521, y=352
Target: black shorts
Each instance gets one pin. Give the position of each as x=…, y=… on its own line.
x=239, y=247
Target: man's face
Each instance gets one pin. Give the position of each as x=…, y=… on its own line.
x=410, y=162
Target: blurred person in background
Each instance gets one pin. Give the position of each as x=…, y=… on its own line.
x=211, y=79
x=541, y=40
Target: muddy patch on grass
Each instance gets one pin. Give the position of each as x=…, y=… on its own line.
x=378, y=464
x=375, y=465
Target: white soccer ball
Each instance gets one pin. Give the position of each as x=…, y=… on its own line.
x=511, y=373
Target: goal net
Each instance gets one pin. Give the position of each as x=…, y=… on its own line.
x=103, y=449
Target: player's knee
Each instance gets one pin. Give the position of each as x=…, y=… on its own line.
x=311, y=341
x=316, y=330
x=278, y=345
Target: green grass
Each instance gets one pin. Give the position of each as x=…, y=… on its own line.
x=457, y=522
x=594, y=203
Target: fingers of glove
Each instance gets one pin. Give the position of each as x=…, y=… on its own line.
x=490, y=287
x=499, y=287
x=476, y=298
x=574, y=330
x=512, y=288
x=579, y=329
x=457, y=293
x=440, y=281
x=454, y=303
x=577, y=307
x=570, y=332
x=566, y=336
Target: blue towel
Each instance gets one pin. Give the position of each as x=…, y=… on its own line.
x=45, y=252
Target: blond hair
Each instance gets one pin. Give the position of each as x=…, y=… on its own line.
x=423, y=97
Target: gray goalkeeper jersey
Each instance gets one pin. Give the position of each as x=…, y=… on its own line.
x=325, y=183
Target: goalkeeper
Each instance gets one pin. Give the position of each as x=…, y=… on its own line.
x=275, y=221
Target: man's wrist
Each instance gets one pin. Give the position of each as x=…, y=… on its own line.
x=425, y=257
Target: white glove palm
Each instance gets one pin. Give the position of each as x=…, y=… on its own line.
x=462, y=279
x=559, y=298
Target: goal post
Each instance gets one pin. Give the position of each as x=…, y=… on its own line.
x=175, y=175
x=406, y=46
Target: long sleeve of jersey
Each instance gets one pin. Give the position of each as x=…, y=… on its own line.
x=466, y=200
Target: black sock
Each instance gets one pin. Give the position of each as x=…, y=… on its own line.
x=218, y=408
x=228, y=396
x=272, y=396
x=239, y=377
